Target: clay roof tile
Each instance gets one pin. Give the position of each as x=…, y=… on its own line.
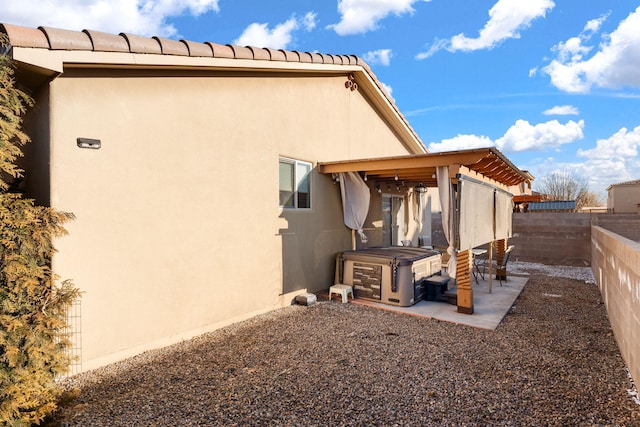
x=67, y=39
x=25, y=37
x=221, y=50
x=105, y=42
x=305, y=57
x=198, y=49
x=276, y=55
x=172, y=47
x=290, y=55
x=259, y=53
x=139, y=44
x=241, y=52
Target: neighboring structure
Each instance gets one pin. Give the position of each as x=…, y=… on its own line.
x=624, y=197
x=552, y=206
x=192, y=169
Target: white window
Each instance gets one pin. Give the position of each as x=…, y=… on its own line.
x=295, y=184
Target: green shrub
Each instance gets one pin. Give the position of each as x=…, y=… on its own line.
x=32, y=305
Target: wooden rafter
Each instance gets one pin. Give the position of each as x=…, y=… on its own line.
x=421, y=168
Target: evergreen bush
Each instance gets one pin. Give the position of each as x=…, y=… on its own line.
x=33, y=305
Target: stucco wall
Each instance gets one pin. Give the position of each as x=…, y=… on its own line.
x=624, y=198
x=615, y=262
x=178, y=228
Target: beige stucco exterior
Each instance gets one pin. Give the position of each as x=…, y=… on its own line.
x=178, y=229
x=624, y=197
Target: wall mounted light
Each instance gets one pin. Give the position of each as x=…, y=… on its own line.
x=351, y=82
x=88, y=143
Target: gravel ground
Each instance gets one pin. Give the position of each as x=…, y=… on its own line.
x=553, y=361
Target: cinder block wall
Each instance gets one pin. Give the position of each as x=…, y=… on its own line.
x=626, y=225
x=615, y=261
x=552, y=238
x=547, y=238
x=559, y=238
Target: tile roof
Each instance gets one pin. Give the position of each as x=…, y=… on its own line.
x=89, y=40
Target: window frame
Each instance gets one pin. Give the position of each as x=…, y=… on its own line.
x=298, y=182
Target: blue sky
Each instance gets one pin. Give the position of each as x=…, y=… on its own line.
x=553, y=84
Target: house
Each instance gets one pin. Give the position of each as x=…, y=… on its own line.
x=624, y=197
x=203, y=176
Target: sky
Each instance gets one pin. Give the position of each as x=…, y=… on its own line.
x=553, y=84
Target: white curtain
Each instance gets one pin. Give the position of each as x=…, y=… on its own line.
x=503, y=215
x=447, y=203
x=418, y=212
x=476, y=213
x=355, y=202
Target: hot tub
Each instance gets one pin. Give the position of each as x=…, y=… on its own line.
x=394, y=275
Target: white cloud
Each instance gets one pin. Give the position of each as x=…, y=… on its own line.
x=380, y=56
x=506, y=19
x=616, y=64
x=140, y=17
x=460, y=142
x=561, y=110
x=612, y=160
x=436, y=46
x=523, y=136
x=279, y=37
x=309, y=21
x=593, y=26
x=360, y=16
x=621, y=145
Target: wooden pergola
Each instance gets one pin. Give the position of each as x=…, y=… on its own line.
x=484, y=164
x=421, y=168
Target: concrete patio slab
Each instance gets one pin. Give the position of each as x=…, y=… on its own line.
x=489, y=308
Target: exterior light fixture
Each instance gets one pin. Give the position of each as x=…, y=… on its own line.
x=88, y=143
x=351, y=82
x=420, y=188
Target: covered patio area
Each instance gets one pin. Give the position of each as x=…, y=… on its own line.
x=489, y=307
x=475, y=194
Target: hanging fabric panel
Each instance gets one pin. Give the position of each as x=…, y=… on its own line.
x=447, y=203
x=504, y=215
x=418, y=209
x=355, y=202
x=476, y=213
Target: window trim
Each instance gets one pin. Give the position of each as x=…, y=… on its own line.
x=297, y=181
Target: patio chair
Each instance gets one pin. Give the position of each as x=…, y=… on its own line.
x=500, y=267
